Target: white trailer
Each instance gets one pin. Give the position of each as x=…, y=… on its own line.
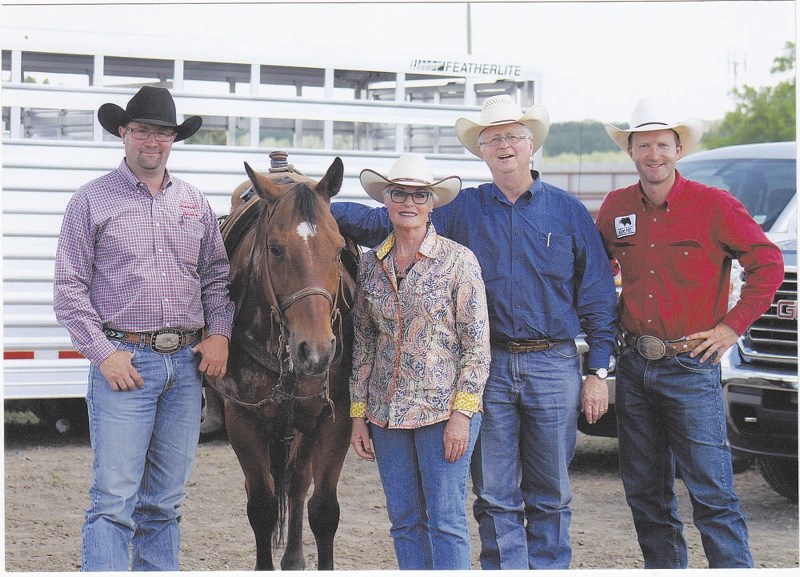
x=53, y=83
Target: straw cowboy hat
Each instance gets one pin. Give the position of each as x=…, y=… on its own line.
x=498, y=110
x=411, y=170
x=650, y=115
x=151, y=105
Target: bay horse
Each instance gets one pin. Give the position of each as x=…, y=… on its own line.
x=286, y=395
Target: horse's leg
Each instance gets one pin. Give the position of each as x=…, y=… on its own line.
x=293, y=557
x=331, y=448
x=248, y=438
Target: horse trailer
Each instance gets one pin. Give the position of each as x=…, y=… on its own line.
x=252, y=101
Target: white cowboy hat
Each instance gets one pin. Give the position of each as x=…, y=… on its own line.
x=650, y=115
x=411, y=169
x=498, y=110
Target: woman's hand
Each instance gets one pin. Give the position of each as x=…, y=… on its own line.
x=359, y=438
x=456, y=436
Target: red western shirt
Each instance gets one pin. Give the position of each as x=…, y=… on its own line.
x=676, y=259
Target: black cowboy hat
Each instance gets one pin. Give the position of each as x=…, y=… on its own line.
x=151, y=105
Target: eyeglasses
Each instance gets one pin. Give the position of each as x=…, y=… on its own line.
x=164, y=135
x=495, y=141
x=400, y=196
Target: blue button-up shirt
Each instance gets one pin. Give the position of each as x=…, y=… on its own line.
x=544, y=265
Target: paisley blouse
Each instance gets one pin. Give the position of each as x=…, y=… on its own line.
x=421, y=347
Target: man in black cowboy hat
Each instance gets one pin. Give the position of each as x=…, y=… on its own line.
x=140, y=271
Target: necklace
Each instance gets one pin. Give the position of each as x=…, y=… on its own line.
x=402, y=273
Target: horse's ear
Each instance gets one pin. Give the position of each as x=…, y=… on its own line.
x=331, y=183
x=263, y=186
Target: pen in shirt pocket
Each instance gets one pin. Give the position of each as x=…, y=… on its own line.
x=549, y=234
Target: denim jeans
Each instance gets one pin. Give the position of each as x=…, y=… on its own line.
x=425, y=495
x=671, y=414
x=144, y=444
x=520, y=466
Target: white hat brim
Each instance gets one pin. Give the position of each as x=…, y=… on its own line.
x=690, y=132
x=535, y=118
x=444, y=190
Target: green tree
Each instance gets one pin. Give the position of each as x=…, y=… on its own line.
x=578, y=138
x=31, y=80
x=767, y=114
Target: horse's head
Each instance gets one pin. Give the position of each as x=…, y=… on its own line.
x=298, y=257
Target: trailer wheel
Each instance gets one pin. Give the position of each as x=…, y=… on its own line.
x=64, y=416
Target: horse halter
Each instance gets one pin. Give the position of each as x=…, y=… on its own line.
x=282, y=362
x=281, y=307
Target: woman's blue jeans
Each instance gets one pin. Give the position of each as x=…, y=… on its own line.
x=425, y=495
x=520, y=466
x=671, y=414
x=144, y=444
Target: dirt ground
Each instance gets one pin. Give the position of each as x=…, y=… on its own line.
x=46, y=478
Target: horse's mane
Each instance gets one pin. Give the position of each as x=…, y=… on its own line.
x=305, y=203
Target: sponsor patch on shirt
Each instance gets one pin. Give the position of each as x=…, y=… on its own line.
x=625, y=225
x=190, y=210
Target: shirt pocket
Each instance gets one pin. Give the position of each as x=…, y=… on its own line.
x=189, y=241
x=688, y=262
x=381, y=304
x=630, y=258
x=553, y=257
x=434, y=298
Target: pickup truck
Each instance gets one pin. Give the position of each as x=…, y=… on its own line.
x=759, y=374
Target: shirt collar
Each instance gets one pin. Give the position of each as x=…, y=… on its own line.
x=128, y=174
x=426, y=248
x=534, y=188
x=675, y=194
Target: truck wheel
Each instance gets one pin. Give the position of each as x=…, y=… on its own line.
x=741, y=461
x=780, y=474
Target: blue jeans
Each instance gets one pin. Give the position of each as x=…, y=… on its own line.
x=671, y=414
x=425, y=495
x=144, y=443
x=520, y=466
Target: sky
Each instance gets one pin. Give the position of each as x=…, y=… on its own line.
x=597, y=58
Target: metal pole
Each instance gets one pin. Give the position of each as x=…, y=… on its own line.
x=469, y=28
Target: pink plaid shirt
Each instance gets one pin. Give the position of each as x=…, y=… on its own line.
x=132, y=262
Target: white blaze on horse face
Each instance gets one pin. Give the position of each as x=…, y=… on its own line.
x=306, y=231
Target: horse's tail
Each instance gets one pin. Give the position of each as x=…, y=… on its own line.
x=279, y=452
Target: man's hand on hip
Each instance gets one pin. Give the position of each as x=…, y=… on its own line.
x=214, y=352
x=717, y=341
x=119, y=372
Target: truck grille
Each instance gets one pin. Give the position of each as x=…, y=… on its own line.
x=772, y=338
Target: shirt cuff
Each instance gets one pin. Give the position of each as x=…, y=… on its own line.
x=99, y=351
x=598, y=359
x=358, y=409
x=466, y=402
x=219, y=328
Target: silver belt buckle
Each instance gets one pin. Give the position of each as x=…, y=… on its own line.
x=166, y=341
x=651, y=348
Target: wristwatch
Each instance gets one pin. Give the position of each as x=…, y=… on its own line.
x=599, y=373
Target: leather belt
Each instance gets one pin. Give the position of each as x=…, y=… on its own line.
x=653, y=348
x=162, y=341
x=527, y=345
